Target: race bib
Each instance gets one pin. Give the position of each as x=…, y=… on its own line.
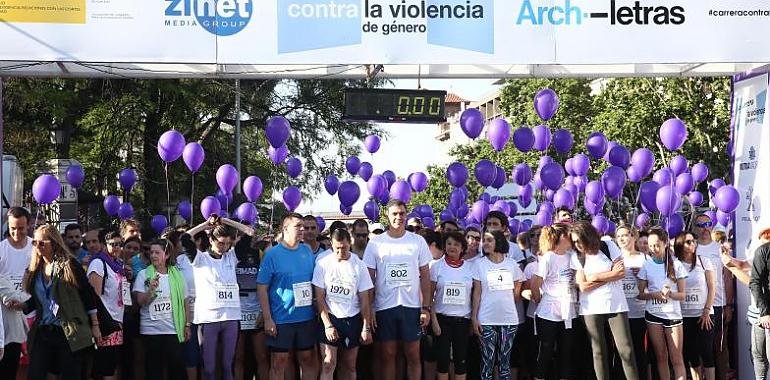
x=303, y=294
x=17, y=282
x=226, y=295
x=695, y=298
x=160, y=308
x=455, y=293
x=664, y=307
x=500, y=279
x=398, y=274
x=340, y=291
x=629, y=287
x=125, y=292
x=249, y=320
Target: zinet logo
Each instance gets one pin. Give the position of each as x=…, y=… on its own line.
x=220, y=17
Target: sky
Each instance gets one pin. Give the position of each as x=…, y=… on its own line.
x=408, y=148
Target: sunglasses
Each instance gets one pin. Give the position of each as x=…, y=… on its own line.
x=704, y=224
x=689, y=242
x=474, y=237
x=40, y=243
x=115, y=244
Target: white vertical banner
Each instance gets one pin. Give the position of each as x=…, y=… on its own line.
x=751, y=170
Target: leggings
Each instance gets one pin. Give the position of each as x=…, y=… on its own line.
x=496, y=345
x=760, y=350
x=453, y=341
x=164, y=352
x=551, y=335
x=697, y=344
x=596, y=325
x=209, y=334
x=638, y=332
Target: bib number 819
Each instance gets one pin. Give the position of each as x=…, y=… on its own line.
x=453, y=292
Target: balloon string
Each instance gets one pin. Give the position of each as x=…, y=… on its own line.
x=192, y=201
x=272, y=199
x=168, y=195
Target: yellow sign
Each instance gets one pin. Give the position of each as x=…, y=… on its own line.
x=43, y=11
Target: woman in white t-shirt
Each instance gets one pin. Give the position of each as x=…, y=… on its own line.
x=164, y=317
x=599, y=271
x=452, y=281
x=496, y=287
x=107, y=276
x=626, y=237
x=553, y=288
x=697, y=307
x=662, y=285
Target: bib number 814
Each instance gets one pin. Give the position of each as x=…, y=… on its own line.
x=225, y=295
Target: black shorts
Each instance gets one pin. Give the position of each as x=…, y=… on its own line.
x=300, y=336
x=398, y=323
x=653, y=320
x=348, y=331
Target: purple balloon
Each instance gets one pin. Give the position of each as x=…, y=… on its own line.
x=485, y=197
x=372, y=143
x=352, y=164
x=348, y=193
x=418, y=181
x=611, y=226
x=564, y=198
x=277, y=131
x=723, y=218
x=523, y=139
x=46, y=189
x=580, y=182
x=522, y=174
x=546, y=103
x=111, y=204
x=664, y=177
x=429, y=222
x=331, y=184
x=500, y=178
x=390, y=177
x=227, y=178
x=125, y=211
x=601, y=224
x=699, y=172
x=485, y=172
x=544, y=218
x=678, y=165
x=667, y=200
x=546, y=207
x=549, y=195
x=401, y=191
x=593, y=208
x=472, y=122
x=610, y=145
x=634, y=175
x=293, y=167
x=456, y=174
x=613, y=181
x=170, y=146
x=498, y=133
x=512, y=209
x=502, y=206
x=377, y=185
x=479, y=210
x=277, y=155
x=225, y=200
x=581, y=164
x=365, y=171
x=127, y=178
x=291, y=198
x=372, y=210
x=727, y=198
x=193, y=156
x=184, y=208
x=673, y=224
x=158, y=223
x=445, y=215
x=642, y=220
x=594, y=191
x=248, y=213
x=346, y=210
x=456, y=198
x=596, y=144
x=513, y=226
x=715, y=185
x=643, y=160
x=563, y=141
x=695, y=198
x=647, y=193
x=673, y=133
x=552, y=175
x=426, y=211
x=543, y=161
x=525, y=195
x=684, y=183
x=542, y=137
x=711, y=214
x=463, y=211
x=252, y=188
x=568, y=167
x=75, y=175
x=384, y=198
x=321, y=223
x=619, y=156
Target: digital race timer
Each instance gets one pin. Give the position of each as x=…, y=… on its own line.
x=394, y=106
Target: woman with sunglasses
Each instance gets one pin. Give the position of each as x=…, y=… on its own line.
x=553, y=288
x=626, y=238
x=451, y=282
x=61, y=297
x=662, y=285
x=107, y=275
x=217, y=306
x=697, y=307
x=496, y=287
x=599, y=271
x=161, y=292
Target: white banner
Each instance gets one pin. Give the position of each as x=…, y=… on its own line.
x=751, y=136
x=386, y=31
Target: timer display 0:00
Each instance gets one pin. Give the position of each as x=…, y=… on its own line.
x=408, y=105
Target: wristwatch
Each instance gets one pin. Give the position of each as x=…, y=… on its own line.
x=427, y=308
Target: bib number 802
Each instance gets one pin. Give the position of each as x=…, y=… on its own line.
x=398, y=273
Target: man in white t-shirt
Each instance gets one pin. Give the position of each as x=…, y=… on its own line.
x=15, y=253
x=398, y=264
